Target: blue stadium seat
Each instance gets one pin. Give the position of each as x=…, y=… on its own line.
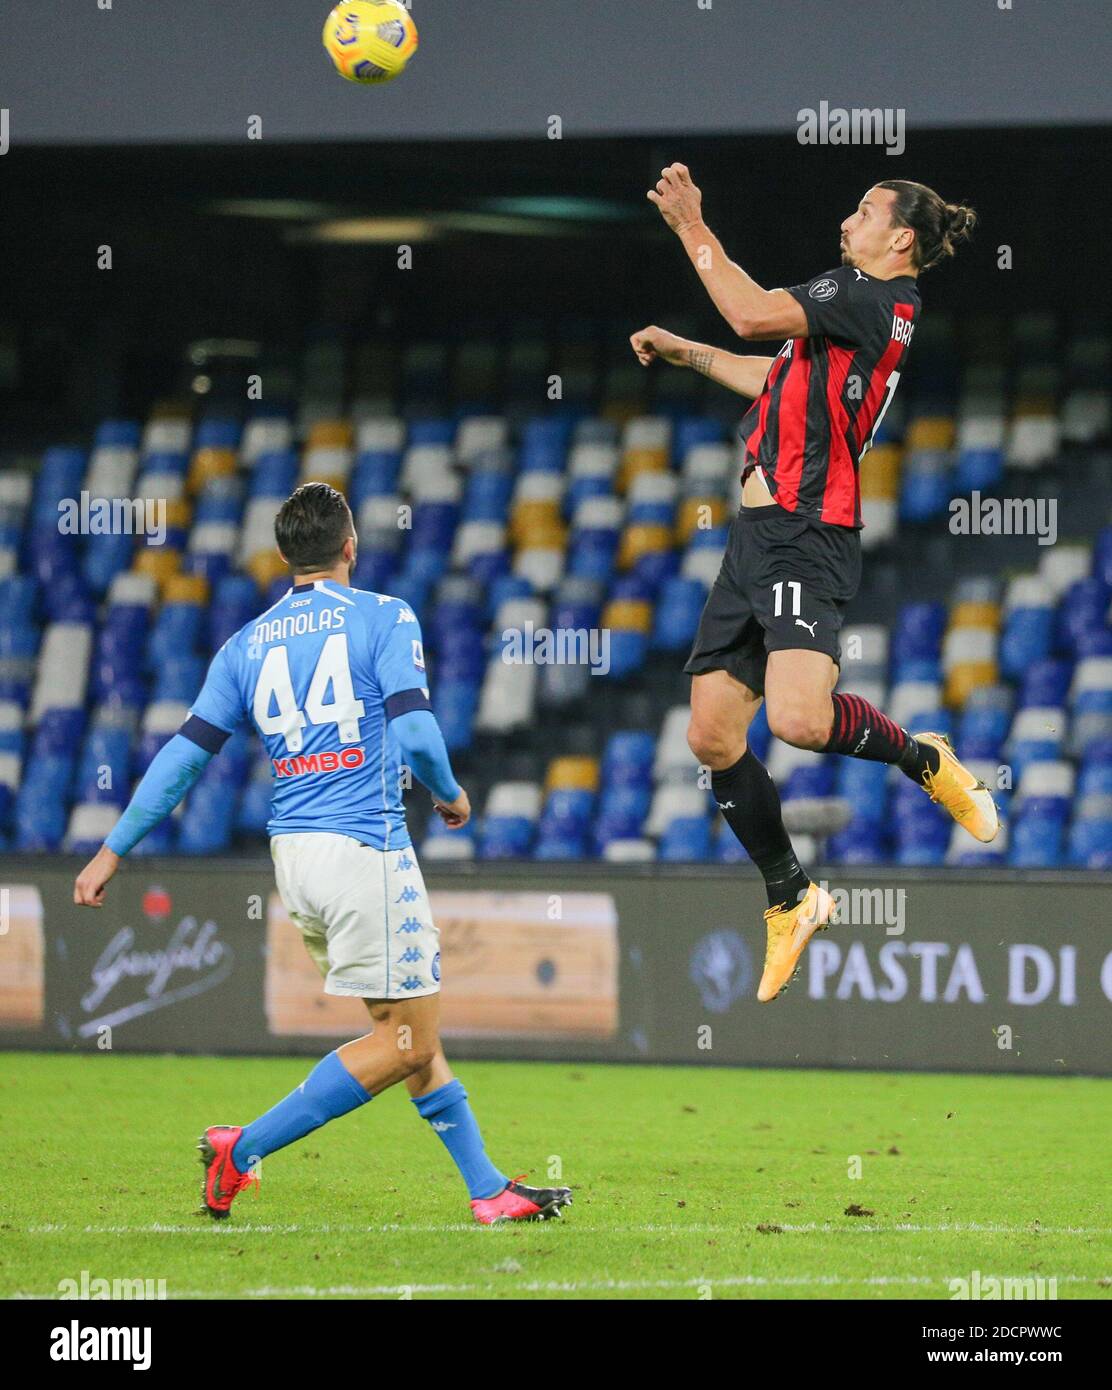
x=275, y=475
x=505, y=837
x=1082, y=612
x=622, y=812
x=1037, y=840
x=918, y=631
x=1090, y=844
x=1027, y=638
x=627, y=760
x=677, y=614
x=1046, y=684
x=978, y=470
x=103, y=769
x=685, y=839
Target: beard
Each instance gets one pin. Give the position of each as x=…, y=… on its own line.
x=847, y=256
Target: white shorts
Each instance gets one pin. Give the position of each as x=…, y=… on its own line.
x=363, y=914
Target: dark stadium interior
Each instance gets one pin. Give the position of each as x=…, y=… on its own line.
x=182, y=272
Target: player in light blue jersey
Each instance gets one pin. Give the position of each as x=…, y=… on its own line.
x=333, y=678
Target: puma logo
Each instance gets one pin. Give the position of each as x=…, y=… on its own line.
x=809, y=626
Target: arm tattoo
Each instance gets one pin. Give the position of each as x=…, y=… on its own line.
x=701, y=360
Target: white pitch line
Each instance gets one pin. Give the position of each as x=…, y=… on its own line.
x=674, y=1228
x=556, y=1286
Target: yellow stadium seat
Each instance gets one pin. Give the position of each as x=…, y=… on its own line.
x=531, y=518
x=572, y=774
x=330, y=434
x=543, y=536
x=967, y=676
x=629, y=614
x=637, y=461
x=930, y=432
x=620, y=412
x=266, y=566
x=161, y=562
x=880, y=473
x=178, y=514
x=1034, y=404
x=642, y=538
x=332, y=479
x=975, y=615
x=170, y=410
x=207, y=464
x=186, y=588
x=700, y=514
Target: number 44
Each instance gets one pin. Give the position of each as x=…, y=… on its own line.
x=275, y=687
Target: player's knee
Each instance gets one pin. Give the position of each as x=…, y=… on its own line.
x=712, y=744
x=803, y=726
x=418, y=1057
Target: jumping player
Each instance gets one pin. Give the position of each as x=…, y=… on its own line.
x=793, y=558
x=334, y=680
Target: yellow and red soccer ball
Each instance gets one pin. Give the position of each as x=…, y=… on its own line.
x=370, y=40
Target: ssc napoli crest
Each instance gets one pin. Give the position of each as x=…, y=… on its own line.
x=721, y=969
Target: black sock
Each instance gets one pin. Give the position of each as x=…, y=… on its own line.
x=748, y=798
x=918, y=759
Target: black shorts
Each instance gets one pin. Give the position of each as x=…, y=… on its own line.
x=784, y=585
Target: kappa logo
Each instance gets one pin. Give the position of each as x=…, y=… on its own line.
x=406, y=615
x=823, y=290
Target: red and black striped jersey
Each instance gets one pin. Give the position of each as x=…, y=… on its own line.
x=825, y=394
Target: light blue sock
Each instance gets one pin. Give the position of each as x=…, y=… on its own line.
x=447, y=1110
x=328, y=1092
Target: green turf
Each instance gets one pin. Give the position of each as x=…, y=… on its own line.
x=688, y=1183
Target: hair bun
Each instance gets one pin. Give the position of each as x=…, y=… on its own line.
x=960, y=219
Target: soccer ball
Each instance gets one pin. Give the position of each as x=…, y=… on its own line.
x=370, y=40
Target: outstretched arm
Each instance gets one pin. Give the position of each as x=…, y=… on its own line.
x=216, y=712
x=745, y=375
x=752, y=312
x=173, y=771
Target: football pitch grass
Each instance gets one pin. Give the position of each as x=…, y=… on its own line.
x=689, y=1183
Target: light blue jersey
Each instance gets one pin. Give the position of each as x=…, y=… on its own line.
x=321, y=675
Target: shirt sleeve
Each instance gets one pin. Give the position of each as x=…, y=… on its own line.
x=844, y=304
x=399, y=663
x=220, y=702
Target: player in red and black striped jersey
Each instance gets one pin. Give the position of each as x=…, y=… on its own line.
x=827, y=392
x=770, y=626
